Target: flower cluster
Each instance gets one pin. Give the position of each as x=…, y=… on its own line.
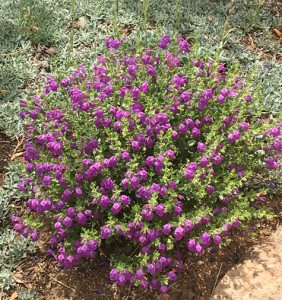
x=149, y=152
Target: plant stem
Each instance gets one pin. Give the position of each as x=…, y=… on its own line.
x=177, y=13
x=70, y=50
x=145, y=9
x=116, y=12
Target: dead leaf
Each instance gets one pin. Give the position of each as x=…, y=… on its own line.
x=14, y=296
x=81, y=22
x=4, y=92
x=50, y=51
x=277, y=32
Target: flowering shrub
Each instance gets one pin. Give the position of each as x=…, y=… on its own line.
x=143, y=153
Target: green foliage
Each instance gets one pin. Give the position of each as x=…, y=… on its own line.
x=158, y=143
x=25, y=24
x=12, y=250
x=25, y=294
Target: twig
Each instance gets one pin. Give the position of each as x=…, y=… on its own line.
x=13, y=52
x=20, y=142
x=217, y=278
x=61, y=283
x=278, y=224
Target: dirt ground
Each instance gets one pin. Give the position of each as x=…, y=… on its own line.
x=7, y=148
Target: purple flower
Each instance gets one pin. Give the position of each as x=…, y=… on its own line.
x=201, y=147
x=248, y=98
x=71, y=212
x=155, y=284
x=184, y=46
x=185, y=96
x=221, y=99
x=143, y=174
x=152, y=234
x=171, y=275
x=121, y=280
x=144, y=87
x=172, y=61
x=210, y=189
x=216, y=239
x=139, y=274
x=274, y=131
x=205, y=238
x=107, y=184
x=244, y=126
x=125, y=156
x=165, y=40
x=131, y=69
x=236, y=134
x=135, y=146
x=204, y=161
x=135, y=93
x=68, y=222
x=34, y=236
x=151, y=71
x=21, y=186
x=217, y=159
x=151, y=269
x=182, y=128
x=179, y=233
x=125, y=200
x=167, y=229
x=189, y=174
x=160, y=210
x=271, y=163
x=81, y=219
x=114, y=274
x=149, y=161
x=116, y=208
x=191, y=245
x=163, y=289
x=135, y=181
x=199, y=249
x=105, y=201
x=78, y=192
x=227, y=121
x=112, y=43
x=179, y=81
x=192, y=166
x=195, y=132
x=66, y=195
x=231, y=138
x=105, y=232
x=147, y=214
x=65, y=82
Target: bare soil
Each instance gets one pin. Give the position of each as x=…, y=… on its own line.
x=7, y=147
